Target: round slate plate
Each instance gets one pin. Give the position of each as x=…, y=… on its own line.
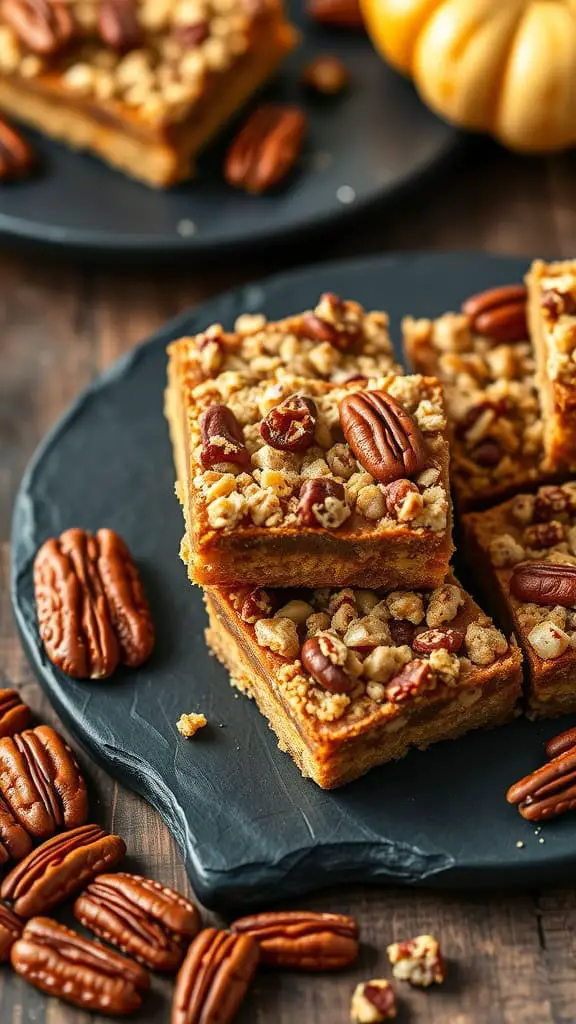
x=374, y=139
x=251, y=829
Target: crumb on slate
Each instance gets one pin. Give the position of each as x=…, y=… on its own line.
x=188, y=725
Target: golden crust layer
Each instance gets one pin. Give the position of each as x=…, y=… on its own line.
x=531, y=528
x=336, y=738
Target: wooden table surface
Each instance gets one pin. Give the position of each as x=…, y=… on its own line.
x=512, y=955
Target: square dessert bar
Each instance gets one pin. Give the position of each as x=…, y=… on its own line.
x=552, y=314
x=491, y=403
x=523, y=553
x=144, y=84
x=349, y=679
x=304, y=482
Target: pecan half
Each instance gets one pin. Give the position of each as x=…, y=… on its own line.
x=547, y=792
x=214, y=978
x=41, y=782
x=15, y=843
x=562, y=743
x=10, y=929
x=385, y=439
x=266, y=148
x=258, y=604
x=304, y=940
x=320, y=656
x=16, y=156
x=322, y=502
x=42, y=26
x=557, y=304
x=290, y=426
x=149, y=921
x=63, y=963
x=326, y=75
x=415, y=678
x=59, y=868
x=92, y=610
x=333, y=326
x=222, y=438
x=14, y=714
x=544, y=583
x=499, y=313
x=450, y=640
x=118, y=25
x=336, y=13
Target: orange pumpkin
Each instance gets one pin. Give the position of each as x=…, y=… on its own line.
x=503, y=66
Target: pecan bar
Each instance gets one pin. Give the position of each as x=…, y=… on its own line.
x=351, y=678
x=552, y=312
x=303, y=482
x=524, y=556
x=143, y=84
x=491, y=402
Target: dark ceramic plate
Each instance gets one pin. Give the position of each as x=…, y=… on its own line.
x=251, y=829
x=361, y=147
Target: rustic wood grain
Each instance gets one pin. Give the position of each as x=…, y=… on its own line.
x=512, y=956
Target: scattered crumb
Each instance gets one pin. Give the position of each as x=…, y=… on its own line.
x=186, y=228
x=345, y=194
x=188, y=725
x=541, y=840
x=520, y=844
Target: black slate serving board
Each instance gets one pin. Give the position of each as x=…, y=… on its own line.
x=374, y=139
x=251, y=829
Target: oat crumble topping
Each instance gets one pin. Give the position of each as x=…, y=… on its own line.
x=371, y=635
x=558, y=306
x=267, y=492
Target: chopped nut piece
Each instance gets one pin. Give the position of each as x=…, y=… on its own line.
x=418, y=961
x=548, y=640
x=280, y=635
x=372, y=1002
x=188, y=725
x=443, y=605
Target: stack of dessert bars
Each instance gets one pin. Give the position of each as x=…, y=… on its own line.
x=314, y=478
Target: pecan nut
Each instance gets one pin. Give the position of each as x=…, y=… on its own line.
x=118, y=25
x=549, y=791
x=15, y=843
x=290, y=426
x=41, y=782
x=562, y=743
x=43, y=27
x=149, y=921
x=323, y=658
x=16, y=156
x=266, y=148
x=336, y=13
x=415, y=679
x=322, y=502
x=418, y=961
x=450, y=640
x=63, y=963
x=499, y=313
x=373, y=1002
x=544, y=535
x=14, y=714
x=397, y=495
x=192, y=34
x=59, y=868
x=92, y=609
x=552, y=502
x=385, y=439
x=303, y=940
x=487, y=453
x=334, y=326
x=222, y=438
x=214, y=977
x=544, y=583
x=556, y=303
x=10, y=929
x=258, y=604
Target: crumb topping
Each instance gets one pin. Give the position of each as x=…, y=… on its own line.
x=491, y=400
x=538, y=528
x=558, y=306
x=173, y=51
x=381, y=642
x=189, y=724
x=336, y=341
x=313, y=480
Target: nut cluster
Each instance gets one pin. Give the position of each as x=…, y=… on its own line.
x=488, y=371
x=303, y=453
x=346, y=650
